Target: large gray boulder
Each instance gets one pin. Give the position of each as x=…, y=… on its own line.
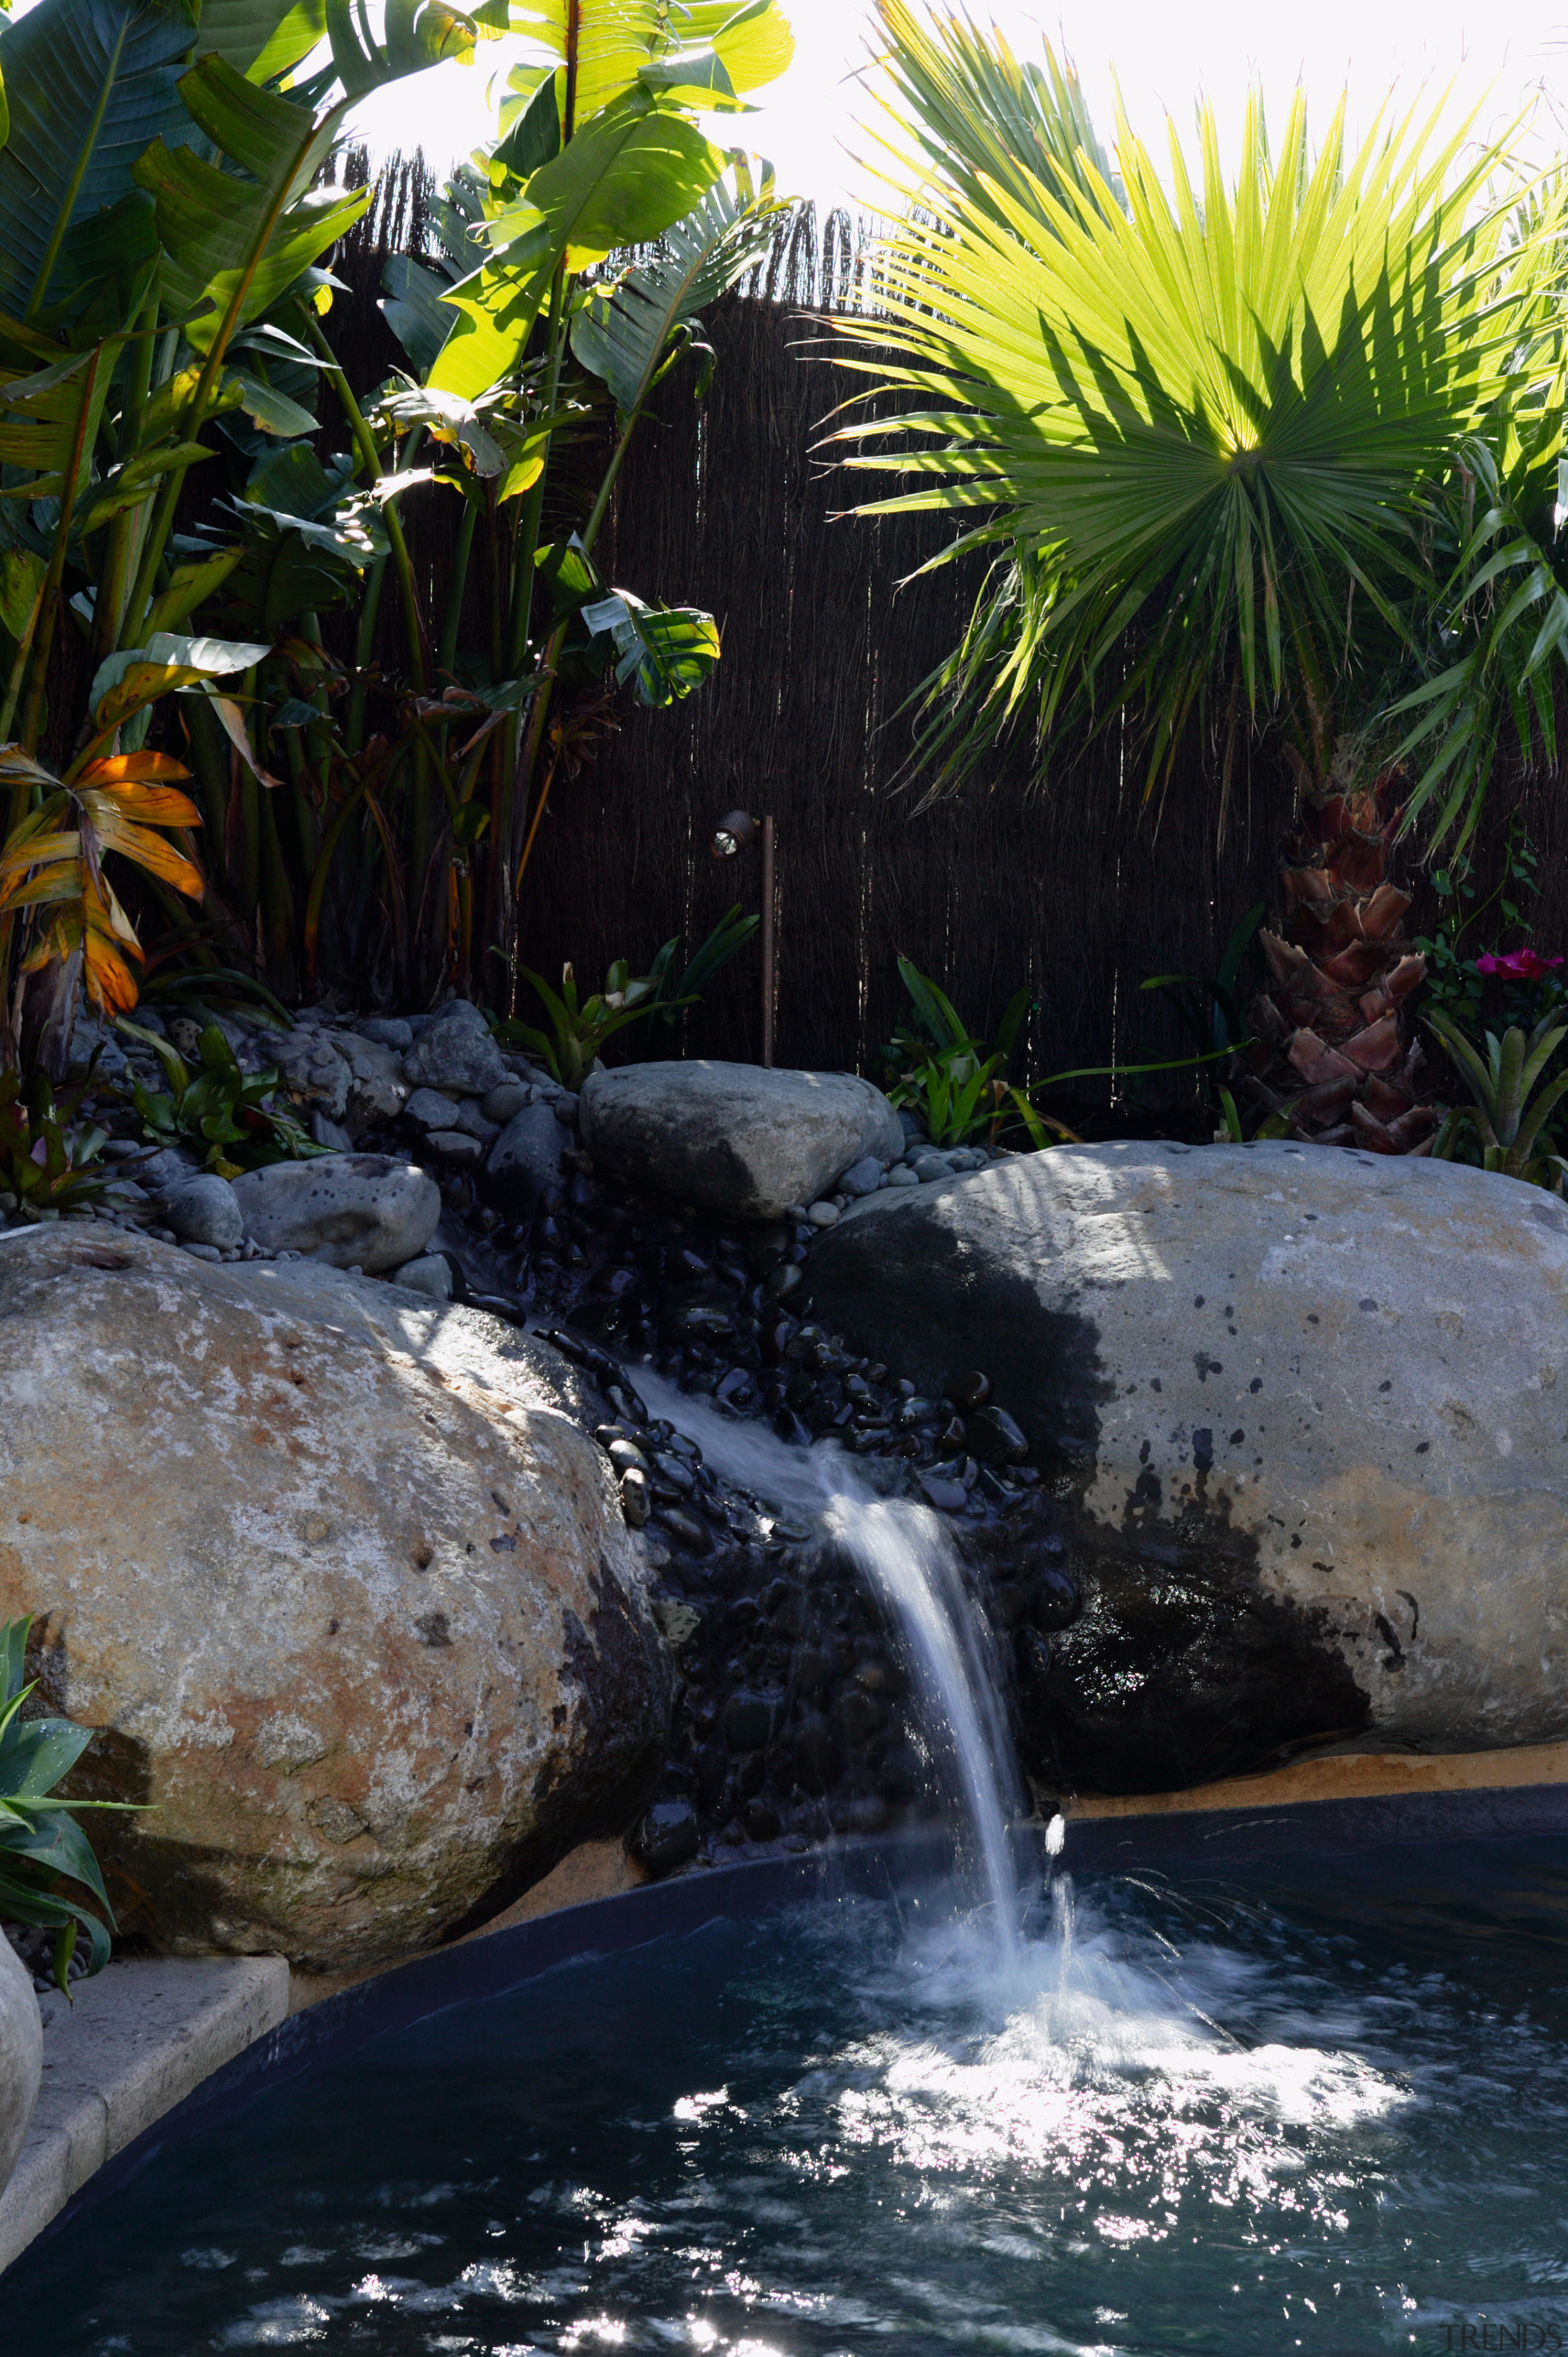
x=1304, y=1413
x=21, y=2055
x=734, y=1138
x=348, y=1598
x=354, y=1210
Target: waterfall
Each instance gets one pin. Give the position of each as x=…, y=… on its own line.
x=906, y=1555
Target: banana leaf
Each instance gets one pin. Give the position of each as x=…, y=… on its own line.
x=91, y=84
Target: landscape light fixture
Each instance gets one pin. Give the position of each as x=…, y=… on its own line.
x=734, y=834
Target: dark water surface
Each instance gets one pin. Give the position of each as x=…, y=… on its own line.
x=1321, y=2106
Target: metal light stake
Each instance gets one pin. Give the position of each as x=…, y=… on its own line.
x=733, y=834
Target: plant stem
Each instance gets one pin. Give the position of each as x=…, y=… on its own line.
x=50, y=596
x=345, y=810
x=515, y=779
x=123, y=529
x=370, y=456
x=208, y=761
x=446, y=647
x=539, y=715
x=201, y=400
x=364, y=643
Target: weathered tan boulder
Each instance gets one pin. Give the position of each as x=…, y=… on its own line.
x=21, y=2056
x=1304, y=1416
x=347, y=1593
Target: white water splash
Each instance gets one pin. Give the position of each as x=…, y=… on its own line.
x=907, y=1557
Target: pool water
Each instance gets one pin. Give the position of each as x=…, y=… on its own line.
x=1319, y=2107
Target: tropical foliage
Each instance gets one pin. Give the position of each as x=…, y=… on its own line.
x=48, y=1156
x=1505, y=1128
x=166, y=209
x=1277, y=446
x=231, y=1119
x=45, y=1857
x=576, y=1028
x=956, y=1085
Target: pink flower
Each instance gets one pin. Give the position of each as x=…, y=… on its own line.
x=1518, y=965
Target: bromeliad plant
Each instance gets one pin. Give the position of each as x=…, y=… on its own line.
x=1505, y=1129
x=956, y=1086
x=233, y=1119
x=579, y=1029
x=673, y=993
x=45, y=1857
x=49, y=1157
x=57, y=903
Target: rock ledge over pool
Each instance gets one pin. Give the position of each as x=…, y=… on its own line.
x=1305, y=1416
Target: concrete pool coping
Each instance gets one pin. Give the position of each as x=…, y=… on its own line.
x=158, y=2048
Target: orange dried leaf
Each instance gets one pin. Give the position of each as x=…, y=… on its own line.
x=149, y=851
x=38, y=850
x=130, y=769
x=152, y=805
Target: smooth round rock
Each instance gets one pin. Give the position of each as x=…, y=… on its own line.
x=1305, y=1415
x=205, y=1210
x=429, y=1109
x=21, y=2054
x=666, y=1837
x=508, y=1099
x=365, y=1210
x=862, y=1178
x=1055, y=1602
x=455, y=1147
x=750, y=1720
x=995, y=1437
x=387, y=1031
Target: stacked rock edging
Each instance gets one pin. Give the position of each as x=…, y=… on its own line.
x=1301, y=1415
x=1000, y=1310
x=346, y=1593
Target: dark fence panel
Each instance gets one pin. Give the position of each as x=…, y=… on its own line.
x=1075, y=889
